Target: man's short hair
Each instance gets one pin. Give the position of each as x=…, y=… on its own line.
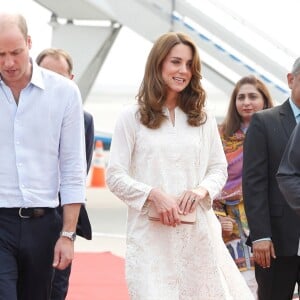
x=56, y=53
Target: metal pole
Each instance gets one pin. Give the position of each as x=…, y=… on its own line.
x=171, y=15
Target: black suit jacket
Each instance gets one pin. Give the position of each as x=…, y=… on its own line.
x=288, y=176
x=89, y=138
x=84, y=226
x=267, y=212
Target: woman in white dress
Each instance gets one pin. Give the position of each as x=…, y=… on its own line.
x=166, y=152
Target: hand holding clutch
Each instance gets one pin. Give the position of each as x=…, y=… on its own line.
x=190, y=218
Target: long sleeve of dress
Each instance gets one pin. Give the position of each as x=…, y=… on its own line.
x=174, y=158
x=131, y=191
x=216, y=173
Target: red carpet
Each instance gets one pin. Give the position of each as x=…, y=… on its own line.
x=97, y=276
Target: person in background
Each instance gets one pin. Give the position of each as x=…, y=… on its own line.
x=248, y=96
x=274, y=226
x=56, y=60
x=60, y=61
x=166, y=153
x=42, y=152
x=288, y=176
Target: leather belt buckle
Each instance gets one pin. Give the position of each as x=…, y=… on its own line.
x=26, y=213
x=22, y=214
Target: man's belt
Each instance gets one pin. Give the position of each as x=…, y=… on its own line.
x=26, y=213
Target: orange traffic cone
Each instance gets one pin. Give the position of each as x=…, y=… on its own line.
x=98, y=166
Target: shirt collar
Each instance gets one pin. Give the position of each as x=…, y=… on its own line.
x=36, y=77
x=295, y=108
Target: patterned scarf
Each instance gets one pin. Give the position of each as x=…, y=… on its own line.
x=233, y=148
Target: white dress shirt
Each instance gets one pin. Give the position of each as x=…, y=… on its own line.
x=42, y=143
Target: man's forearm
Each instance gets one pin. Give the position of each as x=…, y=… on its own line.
x=70, y=216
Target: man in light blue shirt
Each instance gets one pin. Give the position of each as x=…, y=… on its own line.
x=42, y=152
x=59, y=61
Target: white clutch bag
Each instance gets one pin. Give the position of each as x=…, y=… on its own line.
x=153, y=215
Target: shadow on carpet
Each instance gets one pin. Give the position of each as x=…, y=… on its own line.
x=97, y=276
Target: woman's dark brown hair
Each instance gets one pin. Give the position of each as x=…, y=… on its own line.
x=233, y=120
x=152, y=93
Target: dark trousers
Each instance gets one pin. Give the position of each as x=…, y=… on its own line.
x=26, y=255
x=60, y=284
x=278, y=282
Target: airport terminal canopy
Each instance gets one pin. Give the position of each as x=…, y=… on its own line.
x=235, y=39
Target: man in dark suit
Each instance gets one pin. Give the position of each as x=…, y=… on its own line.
x=60, y=61
x=288, y=176
x=274, y=226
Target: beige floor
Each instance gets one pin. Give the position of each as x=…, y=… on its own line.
x=108, y=219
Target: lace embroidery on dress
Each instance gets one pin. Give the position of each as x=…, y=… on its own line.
x=188, y=262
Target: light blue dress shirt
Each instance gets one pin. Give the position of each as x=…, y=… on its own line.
x=296, y=110
x=42, y=147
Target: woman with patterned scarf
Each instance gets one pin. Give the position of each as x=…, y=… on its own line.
x=249, y=96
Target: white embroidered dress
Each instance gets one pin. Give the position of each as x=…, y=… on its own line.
x=188, y=262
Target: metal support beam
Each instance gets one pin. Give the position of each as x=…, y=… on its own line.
x=87, y=44
x=88, y=77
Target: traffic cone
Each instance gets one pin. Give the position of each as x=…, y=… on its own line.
x=98, y=166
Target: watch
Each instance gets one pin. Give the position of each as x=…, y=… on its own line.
x=69, y=234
